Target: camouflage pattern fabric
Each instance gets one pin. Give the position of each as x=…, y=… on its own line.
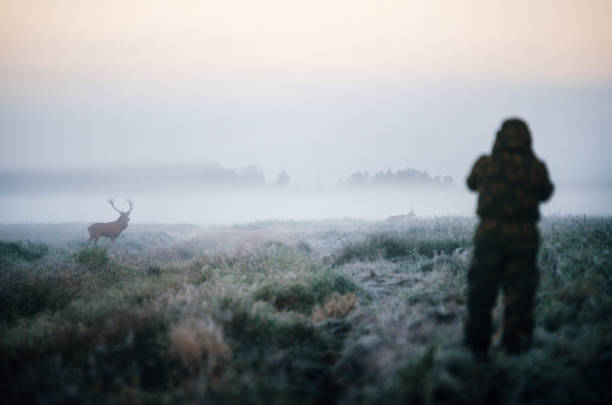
x=497, y=263
x=511, y=182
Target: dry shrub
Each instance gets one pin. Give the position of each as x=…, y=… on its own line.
x=192, y=340
x=336, y=306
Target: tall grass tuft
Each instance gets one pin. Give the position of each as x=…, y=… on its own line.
x=93, y=258
x=390, y=246
x=27, y=251
x=303, y=294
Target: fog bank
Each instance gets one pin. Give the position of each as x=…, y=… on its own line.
x=241, y=205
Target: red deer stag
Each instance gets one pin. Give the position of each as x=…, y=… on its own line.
x=401, y=218
x=111, y=229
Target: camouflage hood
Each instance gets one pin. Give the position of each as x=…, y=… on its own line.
x=513, y=136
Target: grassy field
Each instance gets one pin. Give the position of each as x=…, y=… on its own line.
x=337, y=311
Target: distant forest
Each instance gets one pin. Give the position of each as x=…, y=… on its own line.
x=129, y=179
x=389, y=177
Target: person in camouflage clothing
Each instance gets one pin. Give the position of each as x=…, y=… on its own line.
x=511, y=182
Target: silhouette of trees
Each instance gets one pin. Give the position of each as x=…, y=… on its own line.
x=390, y=177
x=358, y=178
x=283, y=179
x=146, y=178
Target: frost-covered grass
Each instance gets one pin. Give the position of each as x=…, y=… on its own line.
x=337, y=311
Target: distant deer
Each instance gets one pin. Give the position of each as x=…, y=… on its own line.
x=399, y=218
x=111, y=229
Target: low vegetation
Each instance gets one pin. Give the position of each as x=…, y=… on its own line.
x=394, y=246
x=344, y=312
x=28, y=251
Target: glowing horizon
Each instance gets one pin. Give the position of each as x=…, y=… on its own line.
x=552, y=41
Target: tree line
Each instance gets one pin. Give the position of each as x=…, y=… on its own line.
x=398, y=177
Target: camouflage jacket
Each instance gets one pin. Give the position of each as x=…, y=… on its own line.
x=511, y=182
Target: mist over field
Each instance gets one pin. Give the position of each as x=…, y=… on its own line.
x=181, y=196
x=63, y=156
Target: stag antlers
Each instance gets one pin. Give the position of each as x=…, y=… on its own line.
x=112, y=203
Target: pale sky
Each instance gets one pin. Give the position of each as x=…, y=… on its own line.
x=314, y=87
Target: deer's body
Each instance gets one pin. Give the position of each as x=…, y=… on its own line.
x=110, y=229
x=400, y=218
